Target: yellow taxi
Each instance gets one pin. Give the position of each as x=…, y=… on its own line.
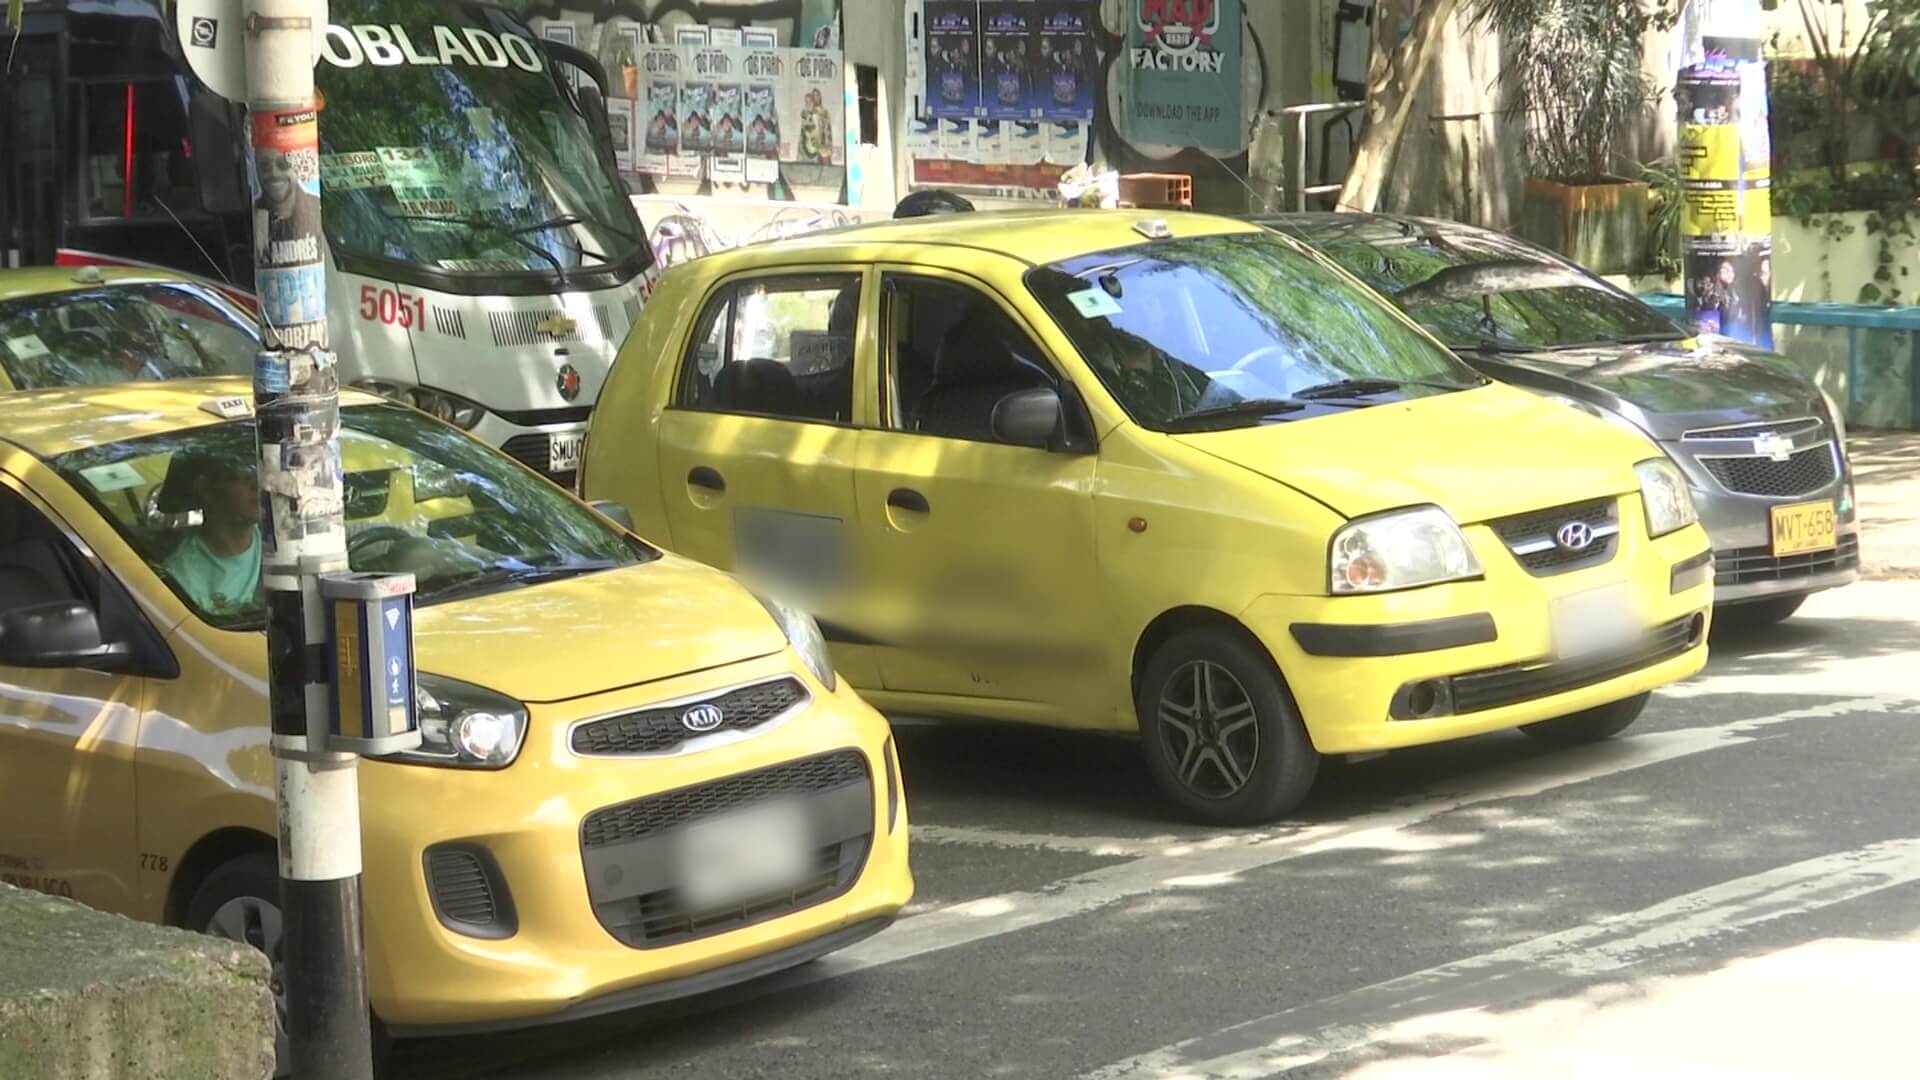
x=1165, y=474
x=637, y=780
x=67, y=326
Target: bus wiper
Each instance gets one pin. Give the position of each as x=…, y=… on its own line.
x=483, y=225
x=568, y=220
x=1197, y=420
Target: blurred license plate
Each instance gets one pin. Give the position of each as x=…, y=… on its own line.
x=1594, y=622
x=734, y=857
x=1803, y=527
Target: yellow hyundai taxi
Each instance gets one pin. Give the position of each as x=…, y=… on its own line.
x=637, y=780
x=1165, y=474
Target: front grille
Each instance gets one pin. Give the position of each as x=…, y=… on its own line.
x=1804, y=473
x=1530, y=536
x=532, y=451
x=632, y=851
x=1785, y=429
x=1745, y=566
x=450, y=322
x=644, y=817
x=1518, y=683
x=657, y=730
x=518, y=328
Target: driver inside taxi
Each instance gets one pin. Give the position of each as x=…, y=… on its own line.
x=217, y=564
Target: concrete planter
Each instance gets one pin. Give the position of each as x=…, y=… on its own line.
x=1602, y=227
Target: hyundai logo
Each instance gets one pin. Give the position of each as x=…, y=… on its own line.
x=1574, y=536
x=702, y=718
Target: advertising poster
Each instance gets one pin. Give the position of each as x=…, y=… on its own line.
x=813, y=108
x=1064, y=83
x=722, y=66
x=1180, y=76
x=562, y=32
x=1725, y=169
x=1007, y=64
x=660, y=111
x=764, y=73
x=1026, y=142
x=953, y=58
x=956, y=139
x=288, y=247
x=620, y=123
x=1066, y=144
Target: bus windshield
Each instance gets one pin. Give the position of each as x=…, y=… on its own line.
x=447, y=143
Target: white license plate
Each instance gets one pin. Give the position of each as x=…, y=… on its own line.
x=1595, y=622
x=563, y=450
x=730, y=858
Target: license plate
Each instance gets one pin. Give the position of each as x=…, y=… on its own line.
x=563, y=450
x=1803, y=527
x=734, y=857
x=1594, y=622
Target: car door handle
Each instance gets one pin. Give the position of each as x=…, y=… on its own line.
x=701, y=476
x=908, y=499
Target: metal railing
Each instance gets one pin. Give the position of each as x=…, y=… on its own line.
x=1294, y=187
x=1853, y=318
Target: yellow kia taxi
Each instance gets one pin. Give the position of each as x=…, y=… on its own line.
x=1165, y=474
x=637, y=779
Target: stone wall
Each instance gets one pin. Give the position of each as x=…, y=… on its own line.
x=87, y=996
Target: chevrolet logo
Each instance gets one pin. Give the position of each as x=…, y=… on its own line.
x=557, y=326
x=1773, y=447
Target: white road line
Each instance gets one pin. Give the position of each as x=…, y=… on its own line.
x=978, y=920
x=1527, y=971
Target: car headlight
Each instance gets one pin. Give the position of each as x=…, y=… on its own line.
x=1838, y=417
x=1666, y=495
x=465, y=726
x=803, y=633
x=1400, y=550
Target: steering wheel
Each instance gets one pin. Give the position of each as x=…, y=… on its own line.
x=374, y=535
x=1246, y=361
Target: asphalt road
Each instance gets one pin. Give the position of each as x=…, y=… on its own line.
x=1733, y=885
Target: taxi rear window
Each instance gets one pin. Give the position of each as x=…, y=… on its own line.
x=121, y=333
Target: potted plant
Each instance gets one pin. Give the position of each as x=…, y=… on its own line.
x=1574, y=79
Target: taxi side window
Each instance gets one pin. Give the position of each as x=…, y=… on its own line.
x=953, y=355
x=779, y=347
x=37, y=565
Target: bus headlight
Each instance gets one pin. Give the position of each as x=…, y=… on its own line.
x=439, y=404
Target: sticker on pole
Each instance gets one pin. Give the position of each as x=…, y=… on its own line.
x=214, y=35
x=288, y=248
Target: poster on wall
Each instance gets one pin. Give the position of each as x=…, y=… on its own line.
x=696, y=136
x=620, y=123
x=1063, y=85
x=660, y=111
x=813, y=108
x=721, y=66
x=1181, y=80
x=765, y=71
x=1007, y=62
x=1726, y=166
x=953, y=58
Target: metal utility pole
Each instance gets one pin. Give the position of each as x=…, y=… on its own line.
x=296, y=397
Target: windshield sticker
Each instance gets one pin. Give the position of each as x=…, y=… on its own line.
x=480, y=122
x=661, y=139
x=113, y=476
x=27, y=347
x=354, y=171
x=1094, y=303
x=483, y=266
x=395, y=46
x=417, y=181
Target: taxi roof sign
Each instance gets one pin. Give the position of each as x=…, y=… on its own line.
x=228, y=408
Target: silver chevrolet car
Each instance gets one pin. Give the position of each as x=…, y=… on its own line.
x=1764, y=447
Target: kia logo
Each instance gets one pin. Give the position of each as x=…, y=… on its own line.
x=702, y=718
x=1574, y=536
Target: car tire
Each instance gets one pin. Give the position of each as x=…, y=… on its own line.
x=1768, y=612
x=1220, y=732
x=240, y=901
x=1591, y=725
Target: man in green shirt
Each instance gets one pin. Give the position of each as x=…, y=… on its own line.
x=217, y=565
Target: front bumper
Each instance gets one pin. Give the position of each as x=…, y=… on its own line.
x=1359, y=666
x=530, y=439
x=557, y=954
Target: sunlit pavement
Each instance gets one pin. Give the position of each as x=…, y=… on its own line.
x=1732, y=889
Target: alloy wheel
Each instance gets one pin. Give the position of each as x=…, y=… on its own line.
x=1209, y=729
x=252, y=921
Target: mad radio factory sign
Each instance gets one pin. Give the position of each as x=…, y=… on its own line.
x=1183, y=78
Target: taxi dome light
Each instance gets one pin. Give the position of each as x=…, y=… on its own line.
x=89, y=275
x=1153, y=228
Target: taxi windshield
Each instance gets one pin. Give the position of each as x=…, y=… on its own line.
x=1216, y=328
x=420, y=498
x=121, y=333
x=448, y=142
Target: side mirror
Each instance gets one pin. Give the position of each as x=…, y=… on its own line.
x=614, y=512
x=1028, y=418
x=60, y=634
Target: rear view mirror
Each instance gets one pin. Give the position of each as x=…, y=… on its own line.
x=1028, y=418
x=614, y=512
x=60, y=634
